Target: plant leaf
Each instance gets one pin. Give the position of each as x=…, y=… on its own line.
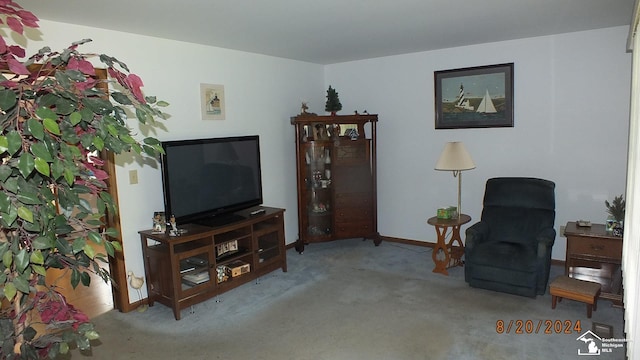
x=5, y=172
x=98, y=143
x=14, y=142
x=40, y=150
x=121, y=98
x=36, y=257
x=85, y=278
x=21, y=284
x=22, y=260
x=26, y=164
x=43, y=112
x=7, y=259
x=92, y=335
x=10, y=291
x=42, y=166
x=75, y=278
x=4, y=202
x=25, y=213
x=36, y=128
x=75, y=118
x=89, y=251
x=69, y=176
x=109, y=248
x=7, y=99
x=8, y=218
x=52, y=126
x=42, y=243
x=4, y=144
x=28, y=198
x=39, y=269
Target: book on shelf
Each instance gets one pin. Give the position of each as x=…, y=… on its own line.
x=197, y=278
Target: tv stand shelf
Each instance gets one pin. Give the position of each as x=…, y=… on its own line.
x=184, y=270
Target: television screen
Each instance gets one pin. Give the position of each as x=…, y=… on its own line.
x=205, y=180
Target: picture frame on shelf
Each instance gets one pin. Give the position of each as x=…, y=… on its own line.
x=320, y=131
x=474, y=97
x=212, y=102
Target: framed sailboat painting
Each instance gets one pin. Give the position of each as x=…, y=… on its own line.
x=474, y=97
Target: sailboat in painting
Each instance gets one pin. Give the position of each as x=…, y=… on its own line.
x=486, y=105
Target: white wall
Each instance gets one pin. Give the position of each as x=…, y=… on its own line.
x=571, y=99
x=261, y=92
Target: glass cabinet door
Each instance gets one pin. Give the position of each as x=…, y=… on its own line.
x=195, y=270
x=318, y=159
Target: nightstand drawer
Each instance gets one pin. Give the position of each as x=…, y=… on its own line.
x=599, y=248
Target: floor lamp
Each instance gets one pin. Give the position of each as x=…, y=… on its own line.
x=456, y=158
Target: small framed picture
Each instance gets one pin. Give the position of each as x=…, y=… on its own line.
x=212, y=102
x=320, y=131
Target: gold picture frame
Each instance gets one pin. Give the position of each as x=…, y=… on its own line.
x=212, y=102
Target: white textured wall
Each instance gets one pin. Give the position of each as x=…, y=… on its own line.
x=261, y=94
x=571, y=99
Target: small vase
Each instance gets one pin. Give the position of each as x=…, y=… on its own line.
x=610, y=224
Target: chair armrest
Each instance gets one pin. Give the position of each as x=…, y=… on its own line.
x=475, y=234
x=545, y=240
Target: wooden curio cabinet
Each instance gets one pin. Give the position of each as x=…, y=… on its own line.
x=336, y=177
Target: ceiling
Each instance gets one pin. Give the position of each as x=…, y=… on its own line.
x=333, y=31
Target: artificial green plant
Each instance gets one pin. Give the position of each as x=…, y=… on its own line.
x=55, y=115
x=332, y=104
x=616, y=207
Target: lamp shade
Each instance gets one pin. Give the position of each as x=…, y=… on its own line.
x=455, y=157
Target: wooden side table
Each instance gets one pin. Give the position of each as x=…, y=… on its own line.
x=593, y=254
x=448, y=254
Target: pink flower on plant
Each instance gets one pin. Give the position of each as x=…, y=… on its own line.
x=81, y=65
x=131, y=82
x=58, y=311
x=134, y=83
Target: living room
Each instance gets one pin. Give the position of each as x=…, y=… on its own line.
x=571, y=119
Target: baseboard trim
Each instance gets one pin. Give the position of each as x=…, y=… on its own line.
x=422, y=244
x=432, y=245
x=408, y=241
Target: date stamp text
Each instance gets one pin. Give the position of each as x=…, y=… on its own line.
x=547, y=326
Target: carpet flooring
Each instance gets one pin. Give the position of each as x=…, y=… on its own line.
x=352, y=300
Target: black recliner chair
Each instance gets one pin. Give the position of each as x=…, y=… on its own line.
x=509, y=249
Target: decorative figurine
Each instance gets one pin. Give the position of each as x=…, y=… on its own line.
x=174, y=227
x=159, y=222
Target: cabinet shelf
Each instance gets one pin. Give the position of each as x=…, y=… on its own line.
x=231, y=256
x=233, y=235
x=175, y=282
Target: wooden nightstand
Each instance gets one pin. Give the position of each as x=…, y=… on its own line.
x=595, y=255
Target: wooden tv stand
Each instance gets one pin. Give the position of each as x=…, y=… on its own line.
x=183, y=270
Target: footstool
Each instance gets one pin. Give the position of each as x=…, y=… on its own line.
x=575, y=289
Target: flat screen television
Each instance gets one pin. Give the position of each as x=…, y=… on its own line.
x=206, y=180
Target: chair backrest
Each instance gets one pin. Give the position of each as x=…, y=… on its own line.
x=516, y=208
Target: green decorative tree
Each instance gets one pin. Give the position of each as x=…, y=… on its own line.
x=333, y=104
x=55, y=114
